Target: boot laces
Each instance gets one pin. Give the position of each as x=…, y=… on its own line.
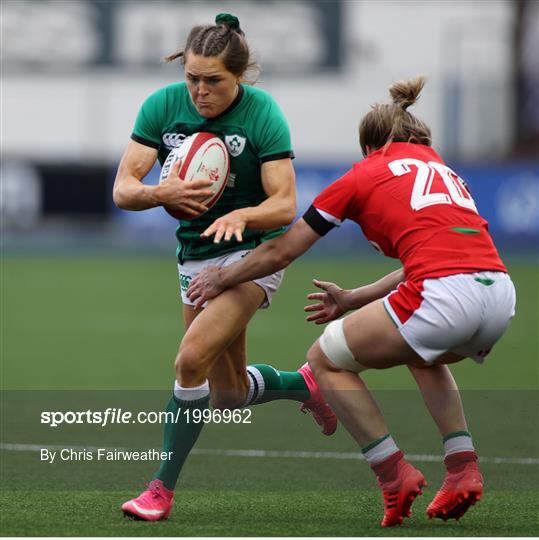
x=155, y=489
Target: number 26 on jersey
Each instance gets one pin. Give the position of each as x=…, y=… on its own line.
x=422, y=194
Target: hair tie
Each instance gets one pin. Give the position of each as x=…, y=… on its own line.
x=228, y=20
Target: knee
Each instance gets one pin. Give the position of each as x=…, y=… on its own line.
x=319, y=362
x=316, y=359
x=313, y=355
x=189, y=364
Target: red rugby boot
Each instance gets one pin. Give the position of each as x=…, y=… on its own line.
x=151, y=505
x=401, y=483
x=316, y=404
x=462, y=487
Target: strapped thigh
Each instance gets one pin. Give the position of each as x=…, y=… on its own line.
x=333, y=344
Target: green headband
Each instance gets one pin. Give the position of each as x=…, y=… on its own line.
x=228, y=20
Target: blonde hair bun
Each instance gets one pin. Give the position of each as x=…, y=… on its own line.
x=406, y=93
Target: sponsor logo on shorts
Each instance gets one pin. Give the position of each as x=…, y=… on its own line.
x=184, y=281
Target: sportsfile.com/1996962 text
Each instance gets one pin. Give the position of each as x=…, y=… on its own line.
x=113, y=415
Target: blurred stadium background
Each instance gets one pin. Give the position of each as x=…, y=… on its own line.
x=89, y=295
x=75, y=72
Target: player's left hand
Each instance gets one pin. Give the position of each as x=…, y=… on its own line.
x=205, y=286
x=332, y=302
x=227, y=226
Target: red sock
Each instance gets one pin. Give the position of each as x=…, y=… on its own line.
x=456, y=462
x=386, y=470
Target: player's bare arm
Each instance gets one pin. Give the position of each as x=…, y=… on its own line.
x=279, y=209
x=365, y=295
x=336, y=301
x=266, y=259
x=130, y=193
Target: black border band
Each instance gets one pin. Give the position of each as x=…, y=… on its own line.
x=275, y=157
x=317, y=223
x=145, y=142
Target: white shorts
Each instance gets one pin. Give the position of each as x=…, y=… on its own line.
x=189, y=269
x=465, y=313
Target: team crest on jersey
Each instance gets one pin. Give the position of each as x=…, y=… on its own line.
x=235, y=144
x=171, y=140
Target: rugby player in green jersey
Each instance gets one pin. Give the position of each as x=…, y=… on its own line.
x=257, y=204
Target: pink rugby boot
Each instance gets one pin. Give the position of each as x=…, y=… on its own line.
x=151, y=505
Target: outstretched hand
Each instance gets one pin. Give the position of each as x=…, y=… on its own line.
x=332, y=302
x=205, y=286
x=227, y=226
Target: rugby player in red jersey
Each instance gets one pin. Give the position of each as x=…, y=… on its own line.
x=451, y=300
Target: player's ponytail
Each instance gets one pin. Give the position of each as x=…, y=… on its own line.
x=406, y=93
x=387, y=123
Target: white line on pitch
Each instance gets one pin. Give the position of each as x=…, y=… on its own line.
x=297, y=454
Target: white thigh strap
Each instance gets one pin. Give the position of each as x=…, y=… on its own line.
x=334, y=345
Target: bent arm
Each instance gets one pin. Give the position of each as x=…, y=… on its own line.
x=129, y=193
x=279, y=209
x=270, y=256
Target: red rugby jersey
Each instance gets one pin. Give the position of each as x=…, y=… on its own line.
x=412, y=207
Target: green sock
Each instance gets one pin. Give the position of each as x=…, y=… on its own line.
x=180, y=437
x=268, y=384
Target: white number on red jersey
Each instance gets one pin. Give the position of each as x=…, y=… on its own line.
x=422, y=195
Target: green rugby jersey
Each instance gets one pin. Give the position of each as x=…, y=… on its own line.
x=254, y=130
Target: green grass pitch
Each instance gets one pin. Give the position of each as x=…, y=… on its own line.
x=97, y=331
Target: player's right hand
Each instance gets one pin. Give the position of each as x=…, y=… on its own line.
x=332, y=302
x=207, y=284
x=176, y=194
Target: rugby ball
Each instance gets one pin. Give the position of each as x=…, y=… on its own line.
x=204, y=157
